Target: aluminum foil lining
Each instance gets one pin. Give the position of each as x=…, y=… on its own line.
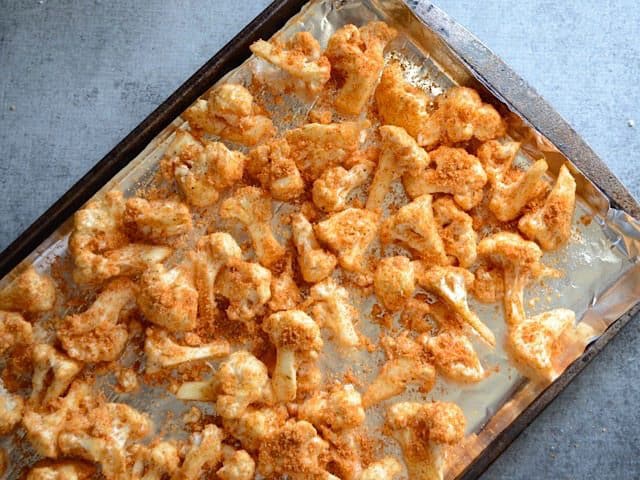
x=601, y=281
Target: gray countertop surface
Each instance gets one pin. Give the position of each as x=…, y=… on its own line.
x=77, y=75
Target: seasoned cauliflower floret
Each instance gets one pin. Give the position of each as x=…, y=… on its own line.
x=508, y=199
x=213, y=252
x=96, y=334
x=414, y=227
x=247, y=287
x=53, y=368
x=461, y=115
x=204, y=452
x=15, y=331
x=339, y=408
x=251, y=206
x=331, y=190
x=386, y=469
x=315, y=263
x=456, y=172
x=356, y=56
x=273, y=166
x=255, y=425
x=11, y=408
x=455, y=358
x=488, y=285
x=424, y=430
x=300, y=58
x=456, y=231
x=400, y=103
x=295, y=450
x=163, y=352
x=519, y=260
x=201, y=169
x=297, y=337
x=100, y=247
x=348, y=234
x=400, y=155
x=157, y=220
x=550, y=225
x=230, y=112
x=285, y=294
x=316, y=147
x=408, y=362
x=62, y=470
x=29, y=292
x=451, y=285
x=237, y=465
x=394, y=281
x=152, y=463
x=168, y=298
x=497, y=157
x=532, y=342
x=332, y=309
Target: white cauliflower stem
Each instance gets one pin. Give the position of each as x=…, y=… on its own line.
x=316, y=264
x=252, y=207
x=54, y=368
x=332, y=309
x=205, y=452
x=29, y=292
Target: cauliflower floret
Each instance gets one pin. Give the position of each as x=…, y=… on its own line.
x=424, y=430
x=295, y=450
x=237, y=465
x=332, y=188
x=497, y=157
x=201, y=169
x=285, y=294
x=386, y=469
x=297, y=337
x=332, y=309
x=309, y=377
x=451, y=285
x=519, y=260
x=95, y=335
x=100, y=247
x=255, y=425
x=461, y=115
x=247, y=287
x=29, y=292
x=155, y=221
x=356, y=57
x=400, y=155
x=153, y=463
x=550, y=225
x=348, y=234
x=400, y=103
x=456, y=231
x=394, y=281
x=414, y=227
x=62, y=470
x=102, y=435
x=407, y=363
x=339, y=408
x=11, y=409
x=54, y=368
x=456, y=172
x=273, y=166
x=163, y=352
x=168, y=298
x=316, y=147
x=251, y=206
x=488, y=285
x=231, y=113
x=316, y=264
x=213, y=252
x=454, y=357
x=14, y=331
x=205, y=452
x=300, y=58
x=532, y=342
x=508, y=199
x=43, y=428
